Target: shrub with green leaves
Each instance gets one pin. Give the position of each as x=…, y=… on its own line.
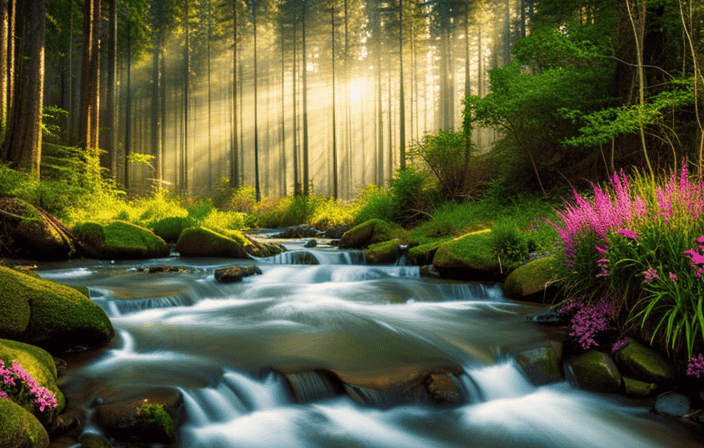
x=643, y=242
x=376, y=203
x=509, y=244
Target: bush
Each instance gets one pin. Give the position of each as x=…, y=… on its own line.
x=286, y=212
x=509, y=244
x=644, y=243
x=449, y=157
x=169, y=229
x=376, y=203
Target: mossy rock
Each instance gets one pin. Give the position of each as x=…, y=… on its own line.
x=423, y=254
x=19, y=428
x=541, y=364
x=204, y=242
x=637, y=388
x=38, y=363
x=644, y=363
x=252, y=246
x=90, y=440
x=369, y=232
x=59, y=316
x=468, y=257
x=382, y=253
x=169, y=229
x=120, y=240
x=149, y=417
x=30, y=232
x=531, y=282
x=595, y=371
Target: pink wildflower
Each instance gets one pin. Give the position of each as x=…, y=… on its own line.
x=696, y=366
x=650, y=275
x=673, y=277
x=620, y=344
x=628, y=233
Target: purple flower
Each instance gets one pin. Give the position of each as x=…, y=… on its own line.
x=628, y=233
x=600, y=249
x=700, y=240
x=602, y=265
x=18, y=377
x=589, y=320
x=699, y=273
x=696, y=258
x=673, y=277
x=696, y=366
x=620, y=344
x=3, y=394
x=650, y=275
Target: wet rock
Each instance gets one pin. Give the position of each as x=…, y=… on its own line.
x=235, y=273
x=296, y=232
x=48, y=314
x=167, y=269
x=30, y=232
x=541, y=364
x=119, y=240
x=19, y=428
x=637, y=388
x=444, y=388
x=644, y=363
x=93, y=441
x=369, y=232
x=423, y=254
x=429, y=271
x=532, y=282
x=311, y=243
x=336, y=232
x=150, y=418
x=203, y=242
x=312, y=386
x=674, y=404
x=594, y=371
x=549, y=318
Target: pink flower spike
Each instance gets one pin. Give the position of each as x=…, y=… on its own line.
x=700, y=240
x=673, y=277
x=628, y=233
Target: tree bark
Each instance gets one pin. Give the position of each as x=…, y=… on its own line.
x=88, y=121
x=23, y=140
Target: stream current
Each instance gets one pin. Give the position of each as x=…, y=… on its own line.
x=245, y=356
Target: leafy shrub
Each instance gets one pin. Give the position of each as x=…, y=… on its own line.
x=330, y=213
x=645, y=243
x=509, y=244
x=285, y=212
x=376, y=203
x=169, y=229
x=449, y=157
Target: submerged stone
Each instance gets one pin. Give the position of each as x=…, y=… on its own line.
x=674, y=404
x=235, y=273
x=637, y=388
x=594, y=371
x=382, y=253
x=541, y=364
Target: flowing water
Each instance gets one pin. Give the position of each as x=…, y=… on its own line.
x=259, y=362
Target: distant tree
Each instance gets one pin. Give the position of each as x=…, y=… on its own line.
x=90, y=66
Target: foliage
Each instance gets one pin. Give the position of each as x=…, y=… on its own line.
x=639, y=241
x=288, y=211
x=588, y=320
x=449, y=157
x=18, y=385
x=155, y=414
x=509, y=244
x=375, y=202
x=330, y=213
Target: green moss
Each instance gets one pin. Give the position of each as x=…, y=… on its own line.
x=14, y=311
x=382, y=253
x=123, y=234
x=423, y=254
x=203, y=242
x=645, y=363
x=89, y=232
x=37, y=362
x=59, y=314
x=235, y=235
x=637, y=388
x=529, y=279
x=155, y=416
x=370, y=232
x=594, y=370
x=471, y=250
x=20, y=428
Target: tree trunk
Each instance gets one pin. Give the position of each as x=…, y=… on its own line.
x=334, y=129
x=111, y=134
x=128, y=110
x=155, y=113
x=401, y=99
x=186, y=82
x=23, y=138
x=256, y=102
x=306, y=172
x=234, y=149
x=88, y=120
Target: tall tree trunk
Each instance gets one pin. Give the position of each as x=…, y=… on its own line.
x=282, y=132
x=296, y=173
x=155, y=114
x=234, y=157
x=306, y=169
x=380, y=112
x=111, y=135
x=23, y=139
x=401, y=99
x=210, y=101
x=186, y=85
x=334, y=129
x=128, y=110
x=7, y=41
x=88, y=121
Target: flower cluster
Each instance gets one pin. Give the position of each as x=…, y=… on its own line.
x=588, y=320
x=696, y=366
x=620, y=344
x=650, y=275
x=19, y=384
x=697, y=258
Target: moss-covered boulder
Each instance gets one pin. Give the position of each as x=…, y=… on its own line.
x=169, y=229
x=533, y=282
x=541, y=364
x=423, y=254
x=204, y=242
x=27, y=231
x=235, y=273
x=90, y=440
x=468, y=258
x=595, y=371
x=644, y=363
x=382, y=253
x=38, y=363
x=636, y=388
x=150, y=417
x=19, y=428
x=52, y=316
x=119, y=240
x=369, y=232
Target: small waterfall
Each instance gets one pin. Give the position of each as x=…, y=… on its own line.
x=401, y=255
x=314, y=257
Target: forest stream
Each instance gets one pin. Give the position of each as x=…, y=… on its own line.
x=295, y=357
